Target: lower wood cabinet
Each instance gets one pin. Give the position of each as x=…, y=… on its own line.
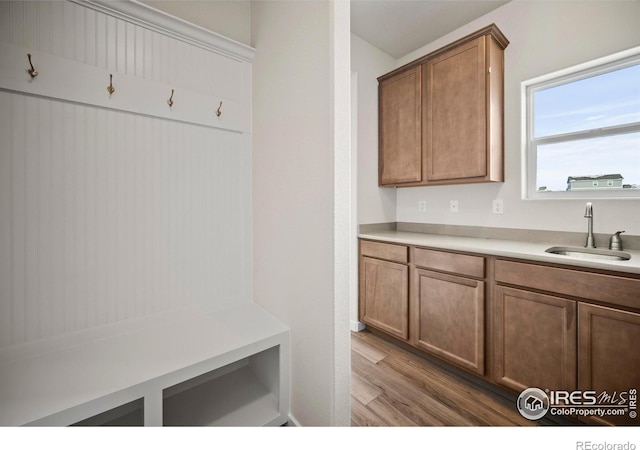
x=609, y=354
x=552, y=342
x=384, y=296
x=536, y=326
x=535, y=340
x=448, y=318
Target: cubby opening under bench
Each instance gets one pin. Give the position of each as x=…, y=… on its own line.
x=192, y=367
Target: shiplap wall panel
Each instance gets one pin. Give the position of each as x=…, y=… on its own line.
x=106, y=215
x=5, y=22
x=114, y=216
x=5, y=219
x=18, y=215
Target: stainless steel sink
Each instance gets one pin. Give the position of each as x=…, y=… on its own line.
x=590, y=253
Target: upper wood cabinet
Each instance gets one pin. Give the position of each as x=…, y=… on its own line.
x=458, y=107
x=441, y=116
x=400, y=156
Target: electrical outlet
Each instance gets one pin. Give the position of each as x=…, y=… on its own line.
x=422, y=206
x=453, y=206
x=498, y=206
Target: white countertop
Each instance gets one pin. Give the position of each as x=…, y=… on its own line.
x=513, y=249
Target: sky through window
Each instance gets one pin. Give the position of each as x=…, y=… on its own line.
x=588, y=105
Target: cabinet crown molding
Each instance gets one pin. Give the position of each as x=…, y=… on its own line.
x=490, y=30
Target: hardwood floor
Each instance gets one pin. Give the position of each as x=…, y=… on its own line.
x=391, y=386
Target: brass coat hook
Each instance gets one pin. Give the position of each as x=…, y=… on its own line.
x=33, y=72
x=218, y=111
x=170, y=101
x=110, y=88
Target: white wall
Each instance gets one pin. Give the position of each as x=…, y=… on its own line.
x=375, y=205
x=345, y=242
x=293, y=198
x=228, y=18
x=544, y=37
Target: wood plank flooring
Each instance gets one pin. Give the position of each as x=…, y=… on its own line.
x=391, y=386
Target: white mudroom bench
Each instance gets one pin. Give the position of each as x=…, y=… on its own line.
x=190, y=367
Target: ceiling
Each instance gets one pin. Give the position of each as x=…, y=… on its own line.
x=399, y=27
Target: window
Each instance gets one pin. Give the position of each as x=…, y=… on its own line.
x=583, y=131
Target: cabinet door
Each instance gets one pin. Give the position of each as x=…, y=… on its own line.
x=535, y=340
x=448, y=318
x=384, y=296
x=400, y=121
x=455, y=125
x=609, y=353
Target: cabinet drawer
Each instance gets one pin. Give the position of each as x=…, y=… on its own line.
x=380, y=250
x=467, y=265
x=586, y=285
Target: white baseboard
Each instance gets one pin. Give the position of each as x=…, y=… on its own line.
x=357, y=326
x=293, y=422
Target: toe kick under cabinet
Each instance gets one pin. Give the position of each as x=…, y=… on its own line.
x=514, y=323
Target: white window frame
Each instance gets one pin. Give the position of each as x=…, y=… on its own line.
x=529, y=147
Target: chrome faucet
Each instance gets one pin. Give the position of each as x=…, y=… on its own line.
x=588, y=213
